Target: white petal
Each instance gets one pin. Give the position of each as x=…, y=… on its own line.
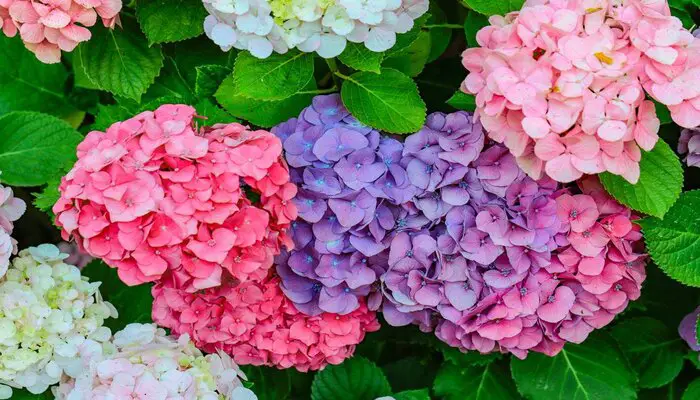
x=380, y=39
x=331, y=46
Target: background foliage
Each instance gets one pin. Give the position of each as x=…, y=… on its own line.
x=161, y=57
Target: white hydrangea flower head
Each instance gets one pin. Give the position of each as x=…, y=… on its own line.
x=49, y=316
x=141, y=361
x=322, y=26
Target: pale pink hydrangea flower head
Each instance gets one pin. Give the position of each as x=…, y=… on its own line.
x=562, y=84
x=256, y=324
x=142, y=362
x=48, y=27
x=155, y=193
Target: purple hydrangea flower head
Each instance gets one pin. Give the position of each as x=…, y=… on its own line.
x=689, y=145
x=351, y=188
x=688, y=329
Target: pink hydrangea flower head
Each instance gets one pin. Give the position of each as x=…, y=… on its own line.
x=562, y=84
x=155, y=193
x=11, y=209
x=48, y=27
x=256, y=324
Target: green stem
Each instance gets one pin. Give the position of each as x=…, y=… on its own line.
x=334, y=69
x=446, y=26
x=341, y=76
x=320, y=91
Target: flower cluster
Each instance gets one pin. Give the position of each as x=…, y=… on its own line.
x=256, y=324
x=323, y=26
x=11, y=209
x=153, y=194
x=468, y=244
x=529, y=270
x=562, y=84
x=49, y=26
x=689, y=145
x=142, y=362
x=47, y=312
x=352, y=183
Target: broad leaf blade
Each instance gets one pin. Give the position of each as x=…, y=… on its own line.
x=120, y=60
x=27, y=83
x=359, y=57
x=660, y=182
x=491, y=7
x=277, y=77
x=170, y=20
x=356, y=378
x=674, y=242
x=594, y=370
x=35, y=147
x=655, y=351
x=388, y=101
x=489, y=382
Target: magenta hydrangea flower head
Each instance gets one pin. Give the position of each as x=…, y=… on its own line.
x=48, y=27
x=155, y=193
x=562, y=84
x=517, y=265
x=689, y=145
x=352, y=184
x=257, y=324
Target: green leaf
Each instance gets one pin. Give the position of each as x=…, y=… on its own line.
x=263, y=113
x=491, y=7
x=134, y=303
x=674, y=242
x=422, y=394
x=35, y=147
x=660, y=182
x=489, y=382
x=388, y=101
x=120, y=60
x=692, y=392
x=80, y=78
x=440, y=38
x=109, y=114
x=45, y=199
x=462, y=101
x=359, y=57
x=23, y=394
x=170, y=20
x=355, y=379
x=208, y=79
x=663, y=113
x=594, y=370
x=456, y=357
x=411, y=60
x=213, y=113
x=277, y=77
x=27, y=83
x=654, y=351
x=269, y=383
x=473, y=23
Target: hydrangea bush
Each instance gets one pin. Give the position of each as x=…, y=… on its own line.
x=349, y=199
